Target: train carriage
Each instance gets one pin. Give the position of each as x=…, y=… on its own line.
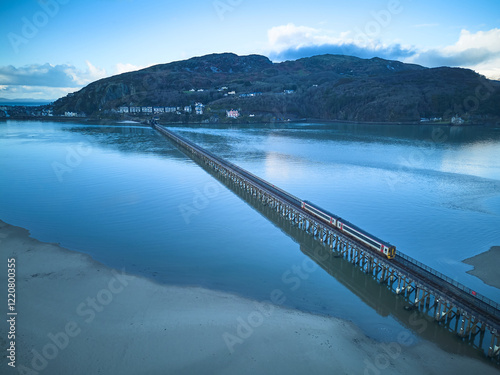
x=351, y=230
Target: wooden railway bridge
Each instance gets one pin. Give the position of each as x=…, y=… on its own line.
x=450, y=303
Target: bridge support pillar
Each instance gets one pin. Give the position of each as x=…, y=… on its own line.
x=398, y=289
x=472, y=328
x=369, y=265
x=437, y=314
x=426, y=298
x=494, y=350
x=384, y=271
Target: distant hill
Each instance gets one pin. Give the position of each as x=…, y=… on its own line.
x=326, y=87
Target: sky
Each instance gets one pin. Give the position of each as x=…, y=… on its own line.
x=49, y=48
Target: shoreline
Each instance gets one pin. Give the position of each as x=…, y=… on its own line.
x=144, y=121
x=76, y=315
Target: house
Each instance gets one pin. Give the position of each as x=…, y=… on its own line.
x=135, y=109
x=123, y=109
x=250, y=95
x=147, y=109
x=188, y=109
x=158, y=109
x=70, y=114
x=233, y=113
x=457, y=120
x=231, y=93
x=198, y=107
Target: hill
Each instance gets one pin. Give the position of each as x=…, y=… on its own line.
x=327, y=87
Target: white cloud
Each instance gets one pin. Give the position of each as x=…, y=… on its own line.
x=292, y=42
x=124, y=68
x=286, y=36
x=84, y=77
x=50, y=75
x=489, y=40
x=49, y=81
x=45, y=81
x=479, y=51
x=94, y=73
x=34, y=92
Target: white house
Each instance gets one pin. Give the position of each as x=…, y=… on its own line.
x=147, y=109
x=457, y=120
x=158, y=109
x=233, y=113
x=199, y=108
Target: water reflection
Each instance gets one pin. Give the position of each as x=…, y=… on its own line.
x=475, y=159
x=127, y=139
x=350, y=132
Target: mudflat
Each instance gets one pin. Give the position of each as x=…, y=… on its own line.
x=486, y=266
x=77, y=316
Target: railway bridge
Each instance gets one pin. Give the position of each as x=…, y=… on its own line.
x=448, y=302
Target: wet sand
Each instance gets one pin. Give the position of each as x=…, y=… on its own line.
x=77, y=316
x=486, y=266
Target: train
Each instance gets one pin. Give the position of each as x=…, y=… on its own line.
x=351, y=230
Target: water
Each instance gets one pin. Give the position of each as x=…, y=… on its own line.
x=131, y=199
x=24, y=104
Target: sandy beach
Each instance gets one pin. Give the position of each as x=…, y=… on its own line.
x=486, y=266
x=77, y=316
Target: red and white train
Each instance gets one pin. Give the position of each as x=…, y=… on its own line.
x=351, y=230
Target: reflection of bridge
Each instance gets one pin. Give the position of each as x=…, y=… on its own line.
x=448, y=302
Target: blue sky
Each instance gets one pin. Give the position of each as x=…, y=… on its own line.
x=52, y=47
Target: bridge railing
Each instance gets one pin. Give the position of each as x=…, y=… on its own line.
x=488, y=304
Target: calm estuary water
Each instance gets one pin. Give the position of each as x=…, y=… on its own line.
x=129, y=198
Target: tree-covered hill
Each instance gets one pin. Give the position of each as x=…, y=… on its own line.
x=328, y=87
